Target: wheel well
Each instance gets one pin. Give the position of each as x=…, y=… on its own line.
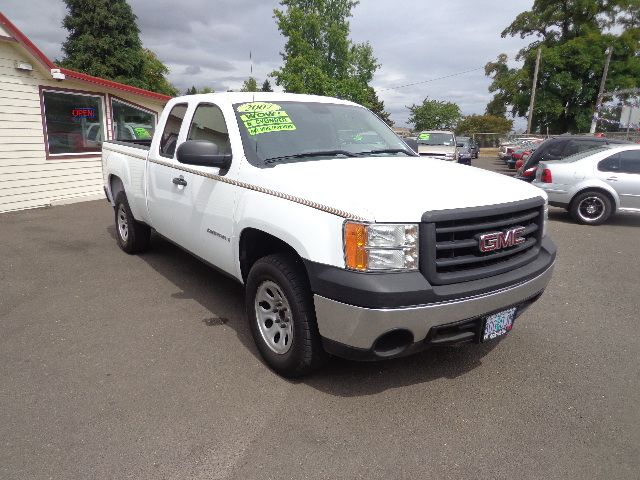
x=599, y=190
x=255, y=244
x=116, y=186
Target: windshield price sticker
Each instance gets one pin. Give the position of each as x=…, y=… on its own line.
x=261, y=117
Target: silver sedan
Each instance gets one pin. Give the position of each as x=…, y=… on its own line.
x=594, y=184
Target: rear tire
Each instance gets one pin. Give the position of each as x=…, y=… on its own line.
x=591, y=208
x=282, y=316
x=133, y=236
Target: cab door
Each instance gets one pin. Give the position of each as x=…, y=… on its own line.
x=213, y=198
x=169, y=187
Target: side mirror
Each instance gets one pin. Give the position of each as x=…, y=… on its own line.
x=204, y=153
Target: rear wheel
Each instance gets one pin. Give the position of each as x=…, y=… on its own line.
x=591, y=208
x=282, y=316
x=132, y=236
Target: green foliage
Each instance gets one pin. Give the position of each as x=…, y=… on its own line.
x=104, y=41
x=153, y=72
x=484, y=124
x=194, y=91
x=377, y=106
x=434, y=115
x=573, y=35
x=249, y=85
x=266, y=86
x=319, y=58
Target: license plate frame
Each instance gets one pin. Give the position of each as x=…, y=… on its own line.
x=498, y=324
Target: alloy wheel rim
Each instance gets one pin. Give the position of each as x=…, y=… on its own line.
x=123, y=225
x=273, y=315
x=591, y=208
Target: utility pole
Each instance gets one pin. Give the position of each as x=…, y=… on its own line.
x=533, y=90
x=599, y=99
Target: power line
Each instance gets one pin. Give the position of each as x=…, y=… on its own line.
x=432, y=79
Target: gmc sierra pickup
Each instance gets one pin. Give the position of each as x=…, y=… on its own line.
x=347, y=242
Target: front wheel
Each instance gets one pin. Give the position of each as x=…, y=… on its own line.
x=282, y=316
x=591, y=208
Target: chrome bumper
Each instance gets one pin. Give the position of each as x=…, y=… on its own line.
x=360, y=327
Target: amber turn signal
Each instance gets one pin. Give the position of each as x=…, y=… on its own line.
x=355, y=240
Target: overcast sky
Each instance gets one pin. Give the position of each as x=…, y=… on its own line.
x=207, y=42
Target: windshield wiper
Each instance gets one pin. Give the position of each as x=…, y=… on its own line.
x=386, y=150
x=321, y=153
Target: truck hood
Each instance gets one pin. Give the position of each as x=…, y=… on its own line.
x=390, y=189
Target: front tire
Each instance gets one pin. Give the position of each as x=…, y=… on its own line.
x=132, y=236
x=282, y=316
x=591, y=208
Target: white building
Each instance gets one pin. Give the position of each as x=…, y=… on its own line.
x=52, y=121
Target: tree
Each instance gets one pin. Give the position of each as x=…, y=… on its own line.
x=319, y=58
x=249, y=85
x=194, y=91
x=266, y=86
x=573, y=35
x=154, y=71
x=104, y=41
x=377, y=106
x=484, y=124
x=434, y=115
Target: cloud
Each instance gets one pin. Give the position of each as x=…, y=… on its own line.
x=208, y=43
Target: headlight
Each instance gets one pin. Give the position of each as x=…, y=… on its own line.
x=379, y=247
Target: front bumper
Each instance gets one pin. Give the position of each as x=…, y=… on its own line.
x=354, y=331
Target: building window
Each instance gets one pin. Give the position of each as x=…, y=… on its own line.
x=74, y=122
x=131, y=122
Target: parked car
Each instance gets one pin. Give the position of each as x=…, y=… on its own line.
x=475, y=148
x=465, y=150
x=594, y=184
x=561, y=147
x=438, y=143
x=343, y=247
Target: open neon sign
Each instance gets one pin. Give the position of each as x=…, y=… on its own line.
x=83, y=112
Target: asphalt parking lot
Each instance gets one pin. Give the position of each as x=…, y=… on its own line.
x=115, y=367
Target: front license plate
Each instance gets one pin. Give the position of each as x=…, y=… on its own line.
x=498, y=324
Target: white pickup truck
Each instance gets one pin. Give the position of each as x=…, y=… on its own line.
x=348, y=242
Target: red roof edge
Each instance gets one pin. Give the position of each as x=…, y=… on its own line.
x=28, y=44
x=115, y=85
x=37, y=53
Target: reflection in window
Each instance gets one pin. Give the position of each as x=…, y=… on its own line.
x=74, y=122
x=131, y=123
x=172, y=130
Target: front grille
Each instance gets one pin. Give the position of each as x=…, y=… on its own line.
x=450, y=245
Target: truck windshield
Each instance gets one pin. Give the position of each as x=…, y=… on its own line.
x=303, y=131
x=427, y=138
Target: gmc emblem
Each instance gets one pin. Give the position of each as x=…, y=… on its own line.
x=490, y=242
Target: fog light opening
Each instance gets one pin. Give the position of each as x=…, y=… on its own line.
x=392, y=343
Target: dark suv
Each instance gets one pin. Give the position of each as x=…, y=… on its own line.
x=558, y=148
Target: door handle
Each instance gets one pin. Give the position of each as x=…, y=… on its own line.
x=612, y=179
x=180, y=181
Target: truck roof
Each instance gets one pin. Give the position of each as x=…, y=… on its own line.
x=243, y=97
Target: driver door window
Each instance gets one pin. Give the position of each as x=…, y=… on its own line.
x=208, y=124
